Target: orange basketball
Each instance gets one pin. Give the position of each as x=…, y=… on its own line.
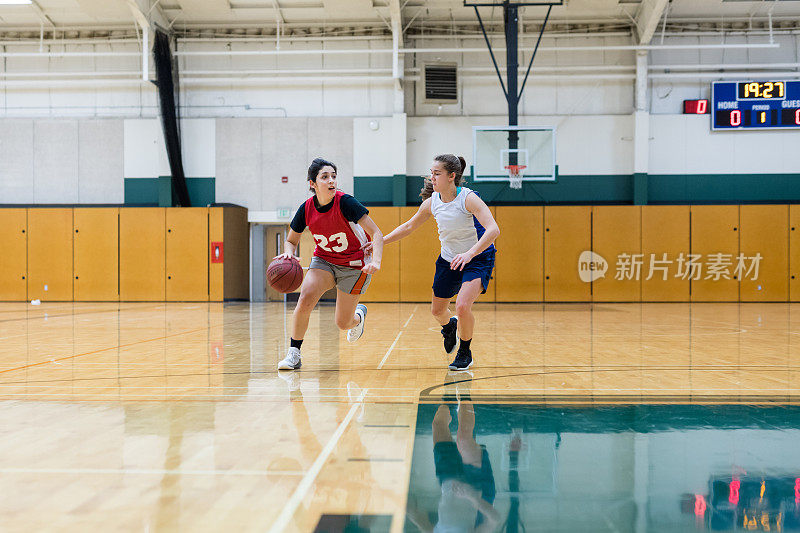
x=284, y=275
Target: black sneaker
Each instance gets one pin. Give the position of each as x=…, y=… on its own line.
x=450, y=334
x=462, y=361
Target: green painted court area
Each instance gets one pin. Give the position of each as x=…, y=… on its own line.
x=616, y=468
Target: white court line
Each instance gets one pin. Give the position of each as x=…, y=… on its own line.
x=151, y=471
x=410, y=316
x=305, y=484
x=389, y=351
x=300, y=492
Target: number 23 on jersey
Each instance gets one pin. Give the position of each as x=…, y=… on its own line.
x=335, y=243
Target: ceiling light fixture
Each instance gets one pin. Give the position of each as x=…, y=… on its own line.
x=15, y=2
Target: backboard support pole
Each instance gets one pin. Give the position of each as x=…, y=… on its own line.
x=511, y=27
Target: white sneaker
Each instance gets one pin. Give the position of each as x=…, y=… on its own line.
x=291, y=361
x=353, y=334
x=292, y=380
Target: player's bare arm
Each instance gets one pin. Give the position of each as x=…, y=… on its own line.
x=481, y=211
x=377, y=244
x=412, y=224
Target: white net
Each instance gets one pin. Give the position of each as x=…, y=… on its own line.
x=515, y=176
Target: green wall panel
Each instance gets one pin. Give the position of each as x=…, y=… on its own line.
x=154, y=192
x=625, y=189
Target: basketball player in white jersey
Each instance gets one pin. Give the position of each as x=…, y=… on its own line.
x=467, y=231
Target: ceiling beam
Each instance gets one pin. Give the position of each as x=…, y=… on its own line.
x=647, y=19
x=148, y=12
x=41, y=14
x=279, y=15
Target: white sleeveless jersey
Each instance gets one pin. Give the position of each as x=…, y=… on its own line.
x=459, y=230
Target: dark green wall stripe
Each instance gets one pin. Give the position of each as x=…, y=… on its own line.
x=615, y=189
x=724, y=188
x=374, y=190
x=154, y=192
x=141, y=192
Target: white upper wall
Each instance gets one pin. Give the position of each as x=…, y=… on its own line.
x=146, y=154
x=685, y=144
x=254, y=154
x=61, y=161
x=75, y=144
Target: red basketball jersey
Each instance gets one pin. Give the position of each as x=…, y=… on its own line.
x=338, y=240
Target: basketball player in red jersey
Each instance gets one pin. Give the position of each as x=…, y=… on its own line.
x=338, y=223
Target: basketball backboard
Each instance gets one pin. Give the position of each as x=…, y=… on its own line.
x=499, y=152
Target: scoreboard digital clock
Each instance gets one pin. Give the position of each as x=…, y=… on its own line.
x=752, y=105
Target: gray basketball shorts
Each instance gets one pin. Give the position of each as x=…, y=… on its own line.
x=349, y=280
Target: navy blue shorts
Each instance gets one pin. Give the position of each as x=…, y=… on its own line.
x=446, y=282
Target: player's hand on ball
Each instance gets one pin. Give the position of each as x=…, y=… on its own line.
x=284, y=255
x=371, y=267
x=367, y=247
x=460, y=261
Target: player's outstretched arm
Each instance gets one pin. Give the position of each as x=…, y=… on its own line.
x=377, y=243
x=404, y=229
x=477, y=207
x=407, y=227
x=290, y=245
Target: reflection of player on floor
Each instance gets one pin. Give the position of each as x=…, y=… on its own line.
x=465, y=475
x=338, y=223
x=467, y=230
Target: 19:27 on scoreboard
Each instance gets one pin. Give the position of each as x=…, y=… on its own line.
x=750, y=105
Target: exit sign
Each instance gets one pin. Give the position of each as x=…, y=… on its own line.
x=284, y=213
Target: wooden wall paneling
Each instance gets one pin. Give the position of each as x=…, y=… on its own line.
x=764, y=234
x=187, y=253
x=385, y=284
x=567, y=234
x=14, y=244
x=96, y=235
x=142, y=241
x=616, y=236
x=418, y=253
x=519, y=275
x=794, y=253
x=665, y=230
x=50, y=254
x=715, y=235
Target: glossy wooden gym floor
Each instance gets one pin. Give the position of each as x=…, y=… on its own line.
x=152, y=416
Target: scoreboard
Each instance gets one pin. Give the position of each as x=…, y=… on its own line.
x=754, y=105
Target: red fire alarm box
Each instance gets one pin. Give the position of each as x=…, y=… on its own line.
x=284, y=179
x=217, y=254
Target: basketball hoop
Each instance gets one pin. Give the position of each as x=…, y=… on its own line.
x=514, y=178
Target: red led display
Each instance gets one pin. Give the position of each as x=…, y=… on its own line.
x=699, y=505
x=733, y=495
x=695, y=107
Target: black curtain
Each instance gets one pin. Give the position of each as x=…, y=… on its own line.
x=168, y=85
